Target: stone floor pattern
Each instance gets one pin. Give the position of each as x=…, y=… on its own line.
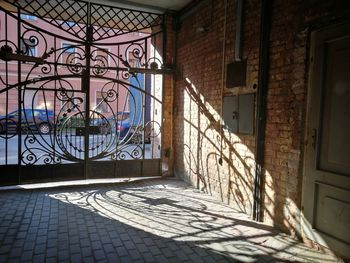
x=149, y=221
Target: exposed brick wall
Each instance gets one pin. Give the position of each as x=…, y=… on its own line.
x=197, y=141
x=198, y=100
x=167, y=165
x=292, y=22
x=285, y=109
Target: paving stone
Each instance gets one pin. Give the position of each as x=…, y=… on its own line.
x=26, y=255
x=201, y=252
x=85, y=242
x=52, y=260
x=41, y=240
x=195, y=258
x=112, y=257
x=172, y=246
x=63, y=255
x=75, y=258
x=124, y=237
x=9, y=239
x=5, y=249
x=155, y=250
x=108, y=248
x=29, y=245
x=51, y=252
x=42, y=232
x=89, y=259
x=73, y=238
x=99, y=254
x=74, y=249
x=95, y=245
x=117, y=242
x=142, y=248
x=125, y=260
x=105, y=239
x=156, y=221
x=14, y=260
x=161, y=258
x=129, y=245
x=134, y=254
x=173, y=259
x=121, y=251
x=40, y=249
x=148, y=257
x=94, y=237
x=39, y=258
x=63, y=245
x=16, y=252
x=86, y=252
x=181, y=256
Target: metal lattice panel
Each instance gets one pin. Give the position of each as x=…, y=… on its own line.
x=106, y=21
x=112, y=21
x=58, y=13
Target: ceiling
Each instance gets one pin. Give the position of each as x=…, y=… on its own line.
x=152, y=5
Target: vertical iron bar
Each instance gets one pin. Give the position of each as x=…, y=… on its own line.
x=86, y=88
x=115, y=131
x=144, y=108
x=143, y=117
x=145, y=98
x=164, y=36
x=93, y=132
x=117, y=118
x=7, y=96
x=153, y=90
x=54, y=102
x=19, y=99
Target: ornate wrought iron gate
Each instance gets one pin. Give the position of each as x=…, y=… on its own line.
x=77, y=99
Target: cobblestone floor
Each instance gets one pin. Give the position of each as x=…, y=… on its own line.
x=149, y=221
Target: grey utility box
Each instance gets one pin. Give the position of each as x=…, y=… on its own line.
x=239, y=113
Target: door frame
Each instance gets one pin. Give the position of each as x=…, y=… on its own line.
x=311, y=139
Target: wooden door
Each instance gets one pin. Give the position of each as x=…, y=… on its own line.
x=326, y=186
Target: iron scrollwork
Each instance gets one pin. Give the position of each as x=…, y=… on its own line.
x=55, y=116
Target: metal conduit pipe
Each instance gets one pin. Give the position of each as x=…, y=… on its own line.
x=265, y=26
x=223, y=68
x=239, y=30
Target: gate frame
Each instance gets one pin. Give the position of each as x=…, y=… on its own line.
x=20, y=168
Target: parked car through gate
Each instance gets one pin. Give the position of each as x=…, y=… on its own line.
x=39, y=120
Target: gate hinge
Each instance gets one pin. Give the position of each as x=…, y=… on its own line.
x=153, y=70
x=7, y=54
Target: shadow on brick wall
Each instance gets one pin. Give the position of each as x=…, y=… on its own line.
x=219, y=165
x=222, y=163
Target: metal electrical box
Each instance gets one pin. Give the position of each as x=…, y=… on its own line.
x=236, y=74
x=239, y=113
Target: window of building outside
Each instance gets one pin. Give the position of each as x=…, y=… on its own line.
x=102, y=52
x=28, y=47
x=28, y=17
x=100, y=105
x=30, y=99
x=67, y=58
x=133, y=61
